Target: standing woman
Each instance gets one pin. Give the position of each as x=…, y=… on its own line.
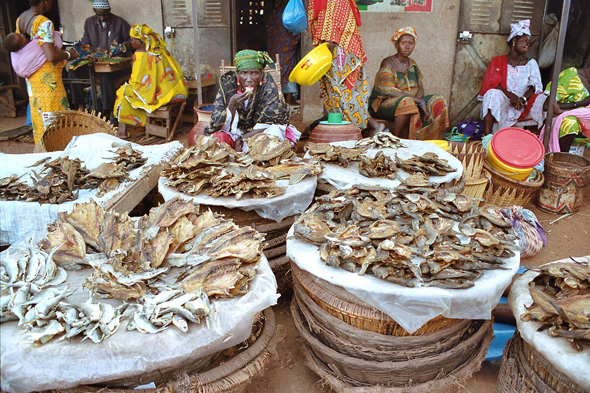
x=512, y=87
x=398, y=93
x=45, y=87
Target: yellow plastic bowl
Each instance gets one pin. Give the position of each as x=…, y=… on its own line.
x=510, y=171
x=440, y=143
x=313, y=66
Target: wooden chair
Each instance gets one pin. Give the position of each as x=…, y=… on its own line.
x=166, y=114
x=274, y=72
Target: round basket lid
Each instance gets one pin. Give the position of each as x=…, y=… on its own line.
x=517, y=147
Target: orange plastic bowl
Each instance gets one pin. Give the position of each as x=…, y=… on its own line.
x=313, y=66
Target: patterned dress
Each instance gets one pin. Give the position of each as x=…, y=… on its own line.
x=45, y=87
x=383, y=106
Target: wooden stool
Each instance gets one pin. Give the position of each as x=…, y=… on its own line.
x=168, y=113
x=7, y=104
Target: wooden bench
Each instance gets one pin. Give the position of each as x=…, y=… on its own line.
x=166, y=114
x=7, y=103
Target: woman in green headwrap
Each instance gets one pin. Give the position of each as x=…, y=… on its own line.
x=248, y=103
x=156, y=80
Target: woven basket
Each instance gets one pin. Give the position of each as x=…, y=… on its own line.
x=352, y=310
x=504, y=191
x=472, y=155
x=526, y=370
x=282, y=270
x=395, y=373
x=62, y=126
x=476, y=188
x=363, y=344
x=232, y=376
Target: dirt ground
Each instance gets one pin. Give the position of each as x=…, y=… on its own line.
x=567, y=236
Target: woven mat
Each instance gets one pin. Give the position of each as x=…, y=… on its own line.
x=23, y=133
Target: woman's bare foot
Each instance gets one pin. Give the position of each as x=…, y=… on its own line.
x=122, y=131
x=556, y=109
x=373, y=128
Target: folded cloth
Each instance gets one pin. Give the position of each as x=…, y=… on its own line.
x=30, y=58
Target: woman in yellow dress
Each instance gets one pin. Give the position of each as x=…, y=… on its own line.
x=45, y=87
x=156, y=80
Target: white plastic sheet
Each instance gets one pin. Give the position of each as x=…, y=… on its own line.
x=18, y=218
x=410, y=307
x=557, y=350
x=342, y=178
x=60, y=364
x=294, y=201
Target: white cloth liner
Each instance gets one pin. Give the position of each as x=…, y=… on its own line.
x=18, y=218
x=410, y=307
x=60, y=364
x=341, y=177
x=294, y=201
x=557, y=350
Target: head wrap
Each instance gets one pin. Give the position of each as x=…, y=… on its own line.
x=403, y=31
x=248, y=59
x=101, y=5
x=152, y=40
x=519, y=28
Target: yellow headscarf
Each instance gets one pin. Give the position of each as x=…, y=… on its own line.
x=152, y=40
x=403, y=31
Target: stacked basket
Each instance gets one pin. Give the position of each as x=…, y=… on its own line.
x=505, y=191
x=275, y=245
x=353, y=346
x=472, y=155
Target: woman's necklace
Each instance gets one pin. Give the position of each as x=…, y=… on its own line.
x=402, y=64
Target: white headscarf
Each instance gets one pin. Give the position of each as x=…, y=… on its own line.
x=101, y=5
x=519, y=28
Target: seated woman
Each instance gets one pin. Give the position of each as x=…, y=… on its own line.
x=572, y=109
x=248, y=103
x=398, y=94
x=156, y=80
x=511, y=88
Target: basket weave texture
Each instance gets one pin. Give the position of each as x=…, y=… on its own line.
x=524, y=370
x=476, y=188
x=62, y=126
x=232, y=376
x=505, y=191
x=352, y=310
x=472, y=155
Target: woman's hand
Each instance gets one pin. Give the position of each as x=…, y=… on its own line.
x=514, y=99
x=73, y=55
x=238, y=144
x=238, y=100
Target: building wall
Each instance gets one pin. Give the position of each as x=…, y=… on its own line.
x=73, y=14
x=434, y=52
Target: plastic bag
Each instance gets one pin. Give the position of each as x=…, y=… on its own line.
x=295, y=17
x=466, y=130
x=531, y=235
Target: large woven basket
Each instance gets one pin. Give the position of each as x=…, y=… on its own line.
x=476, y=188
x=504, y=191
x=62, y=126
x=472, y=155
x=396, y=373
x=524, y=370
x=352, y=310
x=231, y=376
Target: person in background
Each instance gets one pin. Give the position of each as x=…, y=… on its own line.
x=27, y=56
x=45, y=86
x=572, y=109
x=344, y=87
x=398, y=93
x=100, y=31
x=511, y=88
x=284, y=43
x=156, y=80
x=248, y=103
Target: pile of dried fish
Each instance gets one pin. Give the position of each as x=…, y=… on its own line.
x=59, y=179
x=380, y=141
x=380, y=166
x=377, y=231
x=217, y=168
x=335, y=154
x=561, y=295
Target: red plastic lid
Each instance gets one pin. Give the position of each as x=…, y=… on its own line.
x=517, y=147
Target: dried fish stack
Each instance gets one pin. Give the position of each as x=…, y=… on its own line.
x=258, y=181
x=335, y=154
x=381, y=140
x=266, y=150
x=561, y=294
x=377, y=231
x=60, y=178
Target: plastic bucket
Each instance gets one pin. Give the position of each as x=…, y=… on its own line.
x=514, y=152
x=440, y=143
x=566, y=175
x=513, y=172
x=312, y=66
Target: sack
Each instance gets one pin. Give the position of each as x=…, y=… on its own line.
x=548, y=47
x=530, y=233
x=466, y=130
x=295, y=17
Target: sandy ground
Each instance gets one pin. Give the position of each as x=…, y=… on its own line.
x=567, y=236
